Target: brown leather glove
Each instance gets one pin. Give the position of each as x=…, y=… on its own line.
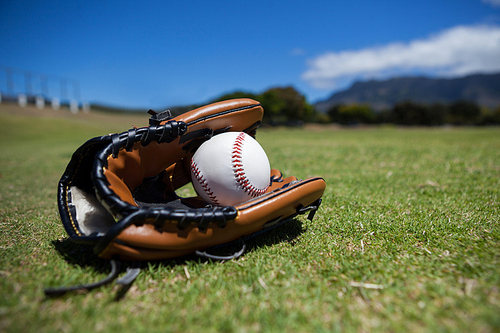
x=118, y=191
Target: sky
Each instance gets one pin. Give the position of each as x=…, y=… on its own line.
x=154, y=54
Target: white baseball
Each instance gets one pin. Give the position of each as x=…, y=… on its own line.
x=229, y=169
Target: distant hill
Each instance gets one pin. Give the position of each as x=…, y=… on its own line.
x=483, y=89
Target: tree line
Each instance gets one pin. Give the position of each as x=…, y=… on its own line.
x=415, y=114
x=286, y=106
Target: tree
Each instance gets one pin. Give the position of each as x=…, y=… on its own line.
x=352, y=114
x=273, y=106
x=282, y=105
x=285, y=105
x=437, y=114
x=410, y=113
x=235, y=94
x=496, y=116
x=464, y=113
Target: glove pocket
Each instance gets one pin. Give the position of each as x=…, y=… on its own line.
x=147, y=242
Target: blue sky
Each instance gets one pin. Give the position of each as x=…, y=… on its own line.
x=153, y=54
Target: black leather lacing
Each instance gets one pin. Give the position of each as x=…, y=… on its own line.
x=161, y=133
x=126, y=280
x=129, y=214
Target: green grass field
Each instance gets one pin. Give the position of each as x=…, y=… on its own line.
x=407, y=239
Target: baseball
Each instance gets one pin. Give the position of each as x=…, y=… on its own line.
x=229, y=169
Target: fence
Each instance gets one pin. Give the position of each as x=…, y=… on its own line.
x=40, y=89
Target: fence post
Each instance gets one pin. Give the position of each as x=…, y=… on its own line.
x=40, y=102
x=56, y=103
x=22, y=100
x=86, y=107
x=73, y=106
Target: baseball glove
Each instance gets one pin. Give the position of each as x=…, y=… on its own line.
x=118, y=192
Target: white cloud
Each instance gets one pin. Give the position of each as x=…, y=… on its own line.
x=457, y=51
x=495, y=3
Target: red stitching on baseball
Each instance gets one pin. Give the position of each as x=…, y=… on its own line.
x=202, y=181
x=238, y=170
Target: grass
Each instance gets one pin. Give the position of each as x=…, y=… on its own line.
x=407, y=239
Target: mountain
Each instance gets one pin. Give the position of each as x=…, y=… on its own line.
x=483, y=89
